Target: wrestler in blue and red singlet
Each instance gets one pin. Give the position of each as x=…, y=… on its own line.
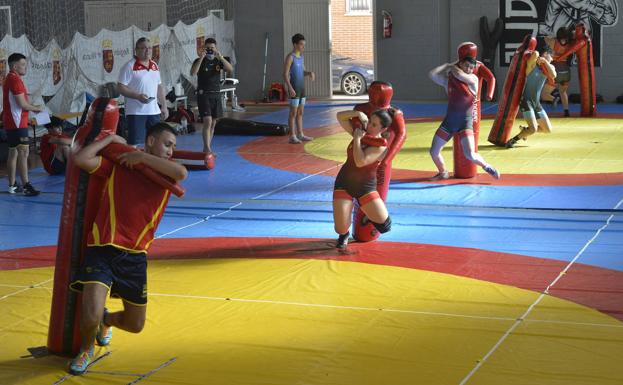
x=462, y=87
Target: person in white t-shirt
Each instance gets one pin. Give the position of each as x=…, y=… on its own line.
x=140, y=83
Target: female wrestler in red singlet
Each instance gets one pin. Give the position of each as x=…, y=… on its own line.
x=357, y=177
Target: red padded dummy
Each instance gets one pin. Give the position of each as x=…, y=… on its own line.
x=583, y=48
x=380, y=95
x=80, y=203
x=511, y=93
x=78, y=213
x=463, y=168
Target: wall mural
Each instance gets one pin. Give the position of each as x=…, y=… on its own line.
x=544, y=17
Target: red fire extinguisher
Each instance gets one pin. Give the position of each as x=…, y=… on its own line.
x=387, y=24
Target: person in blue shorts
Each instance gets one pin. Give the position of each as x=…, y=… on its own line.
x=294, y=75
x=539, y=69
x=461, y=85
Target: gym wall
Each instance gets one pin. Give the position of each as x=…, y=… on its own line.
x=253, y=19
x=427, y=32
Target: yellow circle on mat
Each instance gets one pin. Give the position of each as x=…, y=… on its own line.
x=320, y=322
x=575, y=146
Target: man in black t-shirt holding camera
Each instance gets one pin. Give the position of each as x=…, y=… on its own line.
x=208, y=67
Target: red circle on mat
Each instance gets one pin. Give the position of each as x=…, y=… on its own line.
x=277, y=153
x=591, y=286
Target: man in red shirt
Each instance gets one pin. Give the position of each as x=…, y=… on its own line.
x=55, y=148
x=15, y=108
x=130, y=210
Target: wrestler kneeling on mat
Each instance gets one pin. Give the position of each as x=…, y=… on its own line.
x=538, y=70
x=462, y=87
x=357, y=177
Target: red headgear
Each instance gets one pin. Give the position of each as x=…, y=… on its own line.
x=529, y=42
x=467, y=49
x=380, y=94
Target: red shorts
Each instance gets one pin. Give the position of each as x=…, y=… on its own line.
x=363, y=200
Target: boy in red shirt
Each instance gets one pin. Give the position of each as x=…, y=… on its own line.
x=15, y=107
x=55, y=148
x=130, y=210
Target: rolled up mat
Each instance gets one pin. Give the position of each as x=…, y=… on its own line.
x=228, y=126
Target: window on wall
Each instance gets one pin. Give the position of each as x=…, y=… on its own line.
x=220, y=13
x=5, y=21
x=145, y=14
x=359, y=7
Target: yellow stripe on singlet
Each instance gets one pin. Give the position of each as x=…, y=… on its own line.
x=111, y=201
x=152, y=223
x=96, y=233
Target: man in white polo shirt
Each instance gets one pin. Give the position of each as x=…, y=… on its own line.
x=139, y=82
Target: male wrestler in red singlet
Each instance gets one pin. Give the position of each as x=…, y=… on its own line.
x=461, y=85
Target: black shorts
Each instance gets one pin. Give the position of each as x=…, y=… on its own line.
x=57, y=166
x=124, y=273
x=354, y=182
x=563, y=72
x=17, y=137
x=210, y=105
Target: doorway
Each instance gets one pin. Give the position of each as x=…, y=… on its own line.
x=352, y=58
x=311, y=18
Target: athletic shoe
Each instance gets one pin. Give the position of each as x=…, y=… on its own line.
x=80, y=364
x=15, y=189
x=567, y=114
x=342, y=241
x=104, y=333
x=441, y=176
x=294, y=140
x=512, y=142
x=305, y=138
x=492, y=171
x=555, y=101
x=30, y=191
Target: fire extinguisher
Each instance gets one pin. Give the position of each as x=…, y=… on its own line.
x=387, y=24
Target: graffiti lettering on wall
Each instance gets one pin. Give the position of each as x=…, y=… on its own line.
x=545, y=17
